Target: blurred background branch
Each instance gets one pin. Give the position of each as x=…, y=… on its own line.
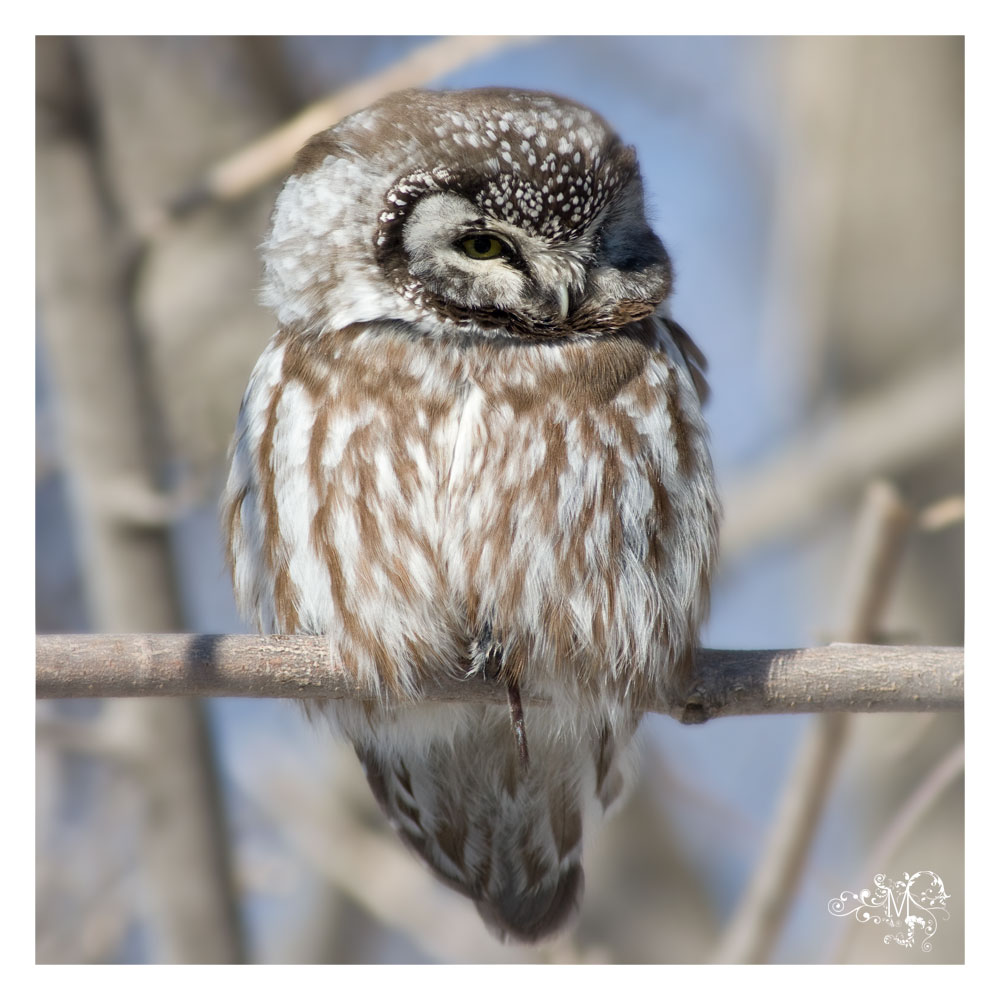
x=872, y=563
x=878, y=434
x=110, y=430
x=272, y=154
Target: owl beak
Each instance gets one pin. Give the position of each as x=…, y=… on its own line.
x=562, y=298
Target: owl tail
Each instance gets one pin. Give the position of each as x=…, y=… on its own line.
x=508, y=836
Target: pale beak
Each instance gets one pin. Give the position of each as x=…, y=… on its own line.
x=563, y=296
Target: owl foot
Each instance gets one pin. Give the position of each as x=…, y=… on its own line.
x=517, y=723
x=486, y=655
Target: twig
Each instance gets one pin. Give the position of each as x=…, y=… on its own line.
x=759, y=916
x=943, y=514
x=273, y=153
x=881, y=530
x=842, y=677
x=916, y=806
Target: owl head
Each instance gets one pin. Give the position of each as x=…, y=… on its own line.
x=488, y=212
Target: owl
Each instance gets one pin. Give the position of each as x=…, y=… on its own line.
x=475, y=446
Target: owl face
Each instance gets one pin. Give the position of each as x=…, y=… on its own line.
x=473, y=262
x=489, y=212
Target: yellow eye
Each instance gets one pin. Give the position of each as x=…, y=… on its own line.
x=483, y=247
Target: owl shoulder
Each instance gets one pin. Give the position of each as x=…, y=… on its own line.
x=672, y=338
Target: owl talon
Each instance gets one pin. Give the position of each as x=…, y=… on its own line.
x=487, y=656
x=487, y=661
x=517, y=723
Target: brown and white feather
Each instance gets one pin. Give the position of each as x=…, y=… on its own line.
x=430, y=453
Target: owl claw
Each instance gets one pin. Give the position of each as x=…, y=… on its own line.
x=486, y=655
x=517, y=723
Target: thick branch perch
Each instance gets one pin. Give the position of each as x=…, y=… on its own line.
x=838, y=678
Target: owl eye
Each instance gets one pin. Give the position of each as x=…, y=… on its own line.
x=484, y=247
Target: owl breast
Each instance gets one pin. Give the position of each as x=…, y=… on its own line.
x=407, y=497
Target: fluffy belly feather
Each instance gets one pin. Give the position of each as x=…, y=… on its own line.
x=402, y=500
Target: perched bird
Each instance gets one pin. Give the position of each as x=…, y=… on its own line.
x=475, y=445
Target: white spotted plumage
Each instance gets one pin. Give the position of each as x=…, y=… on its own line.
x=447, y=463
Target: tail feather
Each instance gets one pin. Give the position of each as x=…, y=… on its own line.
x=509, y=838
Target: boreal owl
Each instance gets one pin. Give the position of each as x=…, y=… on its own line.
x=475, y=446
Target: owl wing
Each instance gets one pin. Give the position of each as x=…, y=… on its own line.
x=508, y=837
x=695, y=362
x=252, y=546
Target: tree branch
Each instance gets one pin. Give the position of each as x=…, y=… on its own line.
x=837, y=678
